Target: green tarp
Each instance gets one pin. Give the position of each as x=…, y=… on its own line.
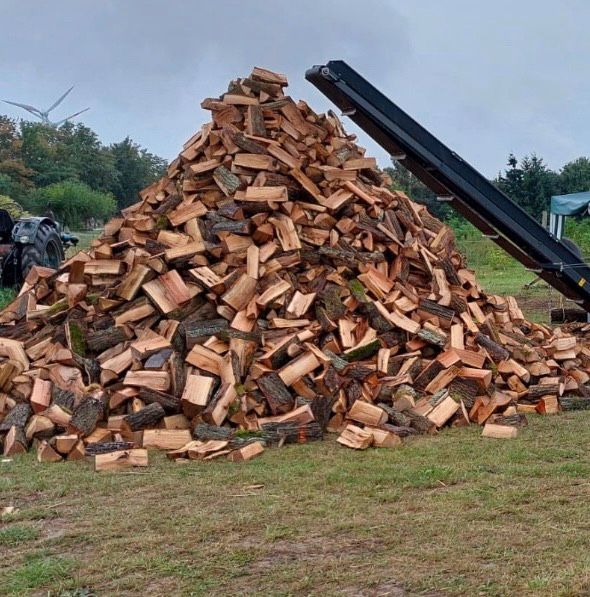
x=570, y=205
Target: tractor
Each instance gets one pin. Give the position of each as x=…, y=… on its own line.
x=30, y=241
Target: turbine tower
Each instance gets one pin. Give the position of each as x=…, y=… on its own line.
x=43, y=115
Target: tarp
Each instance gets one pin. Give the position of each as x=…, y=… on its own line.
x=570, y=205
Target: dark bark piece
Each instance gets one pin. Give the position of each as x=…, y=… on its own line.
x=255, y=121
x=538, y=391
x=100, y=340
x=276, y=393
x=149, y=416
x=432, y=337
x=330, y=297
x=362, y=352
x=204, y=432
x=397, y=417
x=291, y=433
x=464, y=389
x=515, y=420
x=321, y=407
x=106, y=447
x=242, y=227
x=17, y=417
x=427, y=375
x=434, y=308
x=63, y=398
x=199, y=331
x=169, y=204
x=248, y=145
x=157, y=360
x=87, y=414
x=170, y=403
x=229, y=183
x=450, y=272
x=496, y=352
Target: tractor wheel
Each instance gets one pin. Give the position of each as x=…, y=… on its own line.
x=46, y=251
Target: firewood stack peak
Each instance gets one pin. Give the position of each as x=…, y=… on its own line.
x=269, y=288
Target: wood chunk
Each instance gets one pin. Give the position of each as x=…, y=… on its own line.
x=298, y=368
x=167, y=292
x=131, y=284
x=247, y=452
x=499, y=431
x=366, y=413
x=277, y=194
x=382, y=438
x=196, y=394
x=240, y=293
x=65, y=443
x=45, y=453
x=41, y=395
x=166, y=439
x=155, y=380
x=121, y=459
x=355, y=437
x=443, y=411
x=15, y=441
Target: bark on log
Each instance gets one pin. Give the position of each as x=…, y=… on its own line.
x=170, y=403
x=87, y=414
x=106, y=447
x=17, y=417
x=276, y=393
x=291, y=433
x=149, y=416
x=496, y=352
x=100, y=340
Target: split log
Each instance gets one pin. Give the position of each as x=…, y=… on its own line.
x=149, y=416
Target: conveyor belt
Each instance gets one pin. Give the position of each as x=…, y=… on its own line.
x=454, y=180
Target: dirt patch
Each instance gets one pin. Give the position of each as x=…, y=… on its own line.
x=54, y=528
x=311, y=549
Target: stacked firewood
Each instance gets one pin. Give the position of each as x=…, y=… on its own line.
x=269, y=288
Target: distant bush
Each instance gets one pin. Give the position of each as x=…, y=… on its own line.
x=12, y=207
x=73, y=204
x=578, y=229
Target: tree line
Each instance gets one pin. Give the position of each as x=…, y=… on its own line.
x=527, y=181
x=69, y=171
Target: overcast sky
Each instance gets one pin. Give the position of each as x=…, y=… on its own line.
x=488, y=78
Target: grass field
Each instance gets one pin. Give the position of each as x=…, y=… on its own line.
x=453, y=514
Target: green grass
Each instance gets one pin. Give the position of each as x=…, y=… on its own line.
x=455, y=513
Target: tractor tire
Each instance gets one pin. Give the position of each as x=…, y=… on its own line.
x=46, y=251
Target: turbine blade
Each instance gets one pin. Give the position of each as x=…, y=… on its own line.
x=60, y=100
x=60, y=122
x=26, y=107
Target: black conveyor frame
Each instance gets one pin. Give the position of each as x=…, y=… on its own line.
x=454, y=180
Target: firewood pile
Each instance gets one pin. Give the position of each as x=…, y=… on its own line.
x=271, y=287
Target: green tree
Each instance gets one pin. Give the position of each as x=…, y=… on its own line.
x=137, y=168
x=529, y=183
x=575, y=176
x=91, y=163
x=73, y=203
x=404, y=180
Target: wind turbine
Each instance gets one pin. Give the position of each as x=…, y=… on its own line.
x=43, y=115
